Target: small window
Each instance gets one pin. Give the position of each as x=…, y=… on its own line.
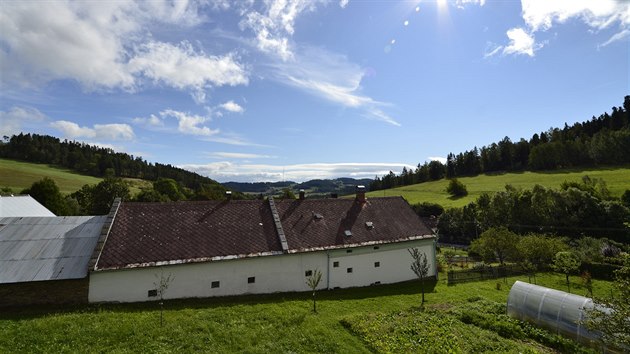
x=376, y=247
x=377, y=283
x=215, y=284
x=335, y=264
x=308, y=273
x=349, y=270
x=377, y=264
x=348, y=251
x=251, y=280
x=152, y=293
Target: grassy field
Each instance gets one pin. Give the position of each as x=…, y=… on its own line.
x=363, y=320
x=617, y=180
x=19, y=175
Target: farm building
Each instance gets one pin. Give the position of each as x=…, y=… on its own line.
x=22, y=205
x=44, y=260
x=231, y=247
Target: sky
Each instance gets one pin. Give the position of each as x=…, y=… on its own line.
x=269, y=90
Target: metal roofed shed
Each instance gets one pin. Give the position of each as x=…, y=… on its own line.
x=22, y=205
x=47, y=248
x=555, y=310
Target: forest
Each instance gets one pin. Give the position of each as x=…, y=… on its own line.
x=603, y=140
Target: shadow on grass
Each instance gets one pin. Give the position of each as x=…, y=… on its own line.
x=403, y=288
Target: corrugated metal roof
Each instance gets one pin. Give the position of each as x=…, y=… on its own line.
x=47, y=248
x=22, y=205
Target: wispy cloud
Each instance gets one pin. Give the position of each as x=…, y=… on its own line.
x=228, y=171
x=113, y=131
x=238, y=155
x=616, y=38
x=332, y=77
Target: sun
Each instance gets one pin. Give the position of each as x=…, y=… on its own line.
x=441, y=4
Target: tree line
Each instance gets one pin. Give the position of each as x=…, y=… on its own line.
x=603, y=140
x=574, y=210
x=94, y=160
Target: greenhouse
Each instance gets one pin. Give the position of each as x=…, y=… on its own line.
x=558, y=311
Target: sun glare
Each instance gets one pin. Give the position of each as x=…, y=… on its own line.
x=441, y=4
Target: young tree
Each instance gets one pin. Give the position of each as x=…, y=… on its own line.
x=496, y=243
x=456, y=188
x=610, y=316
x=420, y=266
x=161, y=285
x=566, y=262
x=539, y=250
x=312, y=282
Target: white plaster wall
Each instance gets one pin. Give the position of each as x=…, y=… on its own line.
x=394, y=264
x=281, y=273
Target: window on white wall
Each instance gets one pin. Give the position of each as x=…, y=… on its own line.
x=308, y=273
x=349, y=270
x=152, y=293
x=335, y=264
x=348, y=251
x=215, y=284
x=377, y=264
x=251, y=280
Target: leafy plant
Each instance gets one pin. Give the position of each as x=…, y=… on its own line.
x=312, y=282
x=420, y=266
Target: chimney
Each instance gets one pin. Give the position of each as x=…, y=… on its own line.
x=228, y=195
x=361, y=194
x=301, y=194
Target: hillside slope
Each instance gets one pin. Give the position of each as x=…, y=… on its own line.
x=617, y=180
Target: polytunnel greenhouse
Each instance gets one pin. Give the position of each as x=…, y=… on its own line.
x=555, y=310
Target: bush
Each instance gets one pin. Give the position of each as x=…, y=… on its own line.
x=427, y=209
x=456, y=188
x=601, y=271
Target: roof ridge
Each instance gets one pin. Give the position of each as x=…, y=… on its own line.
x=278, y=223
x=102, y=239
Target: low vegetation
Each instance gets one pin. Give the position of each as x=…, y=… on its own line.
x=346, y=322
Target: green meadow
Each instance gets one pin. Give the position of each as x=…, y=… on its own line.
x=383, y=318
x=19, y=175
x=617, y=180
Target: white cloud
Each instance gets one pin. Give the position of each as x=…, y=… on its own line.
x=100, y=131
x=107, y=45
x=274, y=24
x=332, y=77
x=114, y=131
x=181, y=67
x=190, y=123
x=461, y=3
x=227, y=171
x=12, y=121
x=238, y=155
x=343, y=3
x=153, y=121
x=520, y=43
x=437, y=158
x=231, y=106
x=541, y=15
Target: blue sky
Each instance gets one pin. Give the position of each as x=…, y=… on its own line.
x=296, y=90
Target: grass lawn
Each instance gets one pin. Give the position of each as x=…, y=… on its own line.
x=276, y=323
x=19, y=175
x=617, y=180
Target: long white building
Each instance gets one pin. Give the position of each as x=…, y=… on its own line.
x=219, y=248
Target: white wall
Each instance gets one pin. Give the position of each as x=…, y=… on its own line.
x=282, y=273
x=394, y=264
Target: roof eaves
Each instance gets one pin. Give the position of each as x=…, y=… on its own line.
x=191, y=260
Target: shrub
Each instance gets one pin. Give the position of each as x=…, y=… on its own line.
x=456, y=188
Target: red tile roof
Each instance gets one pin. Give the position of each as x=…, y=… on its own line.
x=146, y=234
x=322, y=223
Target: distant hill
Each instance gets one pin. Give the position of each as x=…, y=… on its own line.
x=314, y=188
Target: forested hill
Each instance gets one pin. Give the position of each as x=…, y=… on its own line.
x=603, y=140
x=94, y=161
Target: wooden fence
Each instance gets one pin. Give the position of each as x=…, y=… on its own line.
x=483, y=273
